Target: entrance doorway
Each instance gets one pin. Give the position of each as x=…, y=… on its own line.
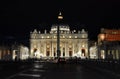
x=35, y=52
x=70, y=53
x=83, y=52
x=48, y=53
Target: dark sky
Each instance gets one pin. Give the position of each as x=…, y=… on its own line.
x=19, y=17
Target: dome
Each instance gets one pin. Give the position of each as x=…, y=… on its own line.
x=64, y=28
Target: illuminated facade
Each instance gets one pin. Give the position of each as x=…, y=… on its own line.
x=109, y=44
x=20, y=52
x=13, y=51
x=5, y=53
x=72, y=43
x=93, y=51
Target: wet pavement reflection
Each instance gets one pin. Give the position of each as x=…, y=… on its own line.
x=40, y=70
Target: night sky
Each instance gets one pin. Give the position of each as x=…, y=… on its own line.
x=19, y=17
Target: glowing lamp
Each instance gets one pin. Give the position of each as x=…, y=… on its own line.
x=102, y=36
x=60, y=17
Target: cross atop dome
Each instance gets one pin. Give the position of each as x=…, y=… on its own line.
x=60, y=13
x=60, y=16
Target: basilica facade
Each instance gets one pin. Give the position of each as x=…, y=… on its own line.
x=72, y=43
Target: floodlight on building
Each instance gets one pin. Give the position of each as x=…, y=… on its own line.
x=102, y=37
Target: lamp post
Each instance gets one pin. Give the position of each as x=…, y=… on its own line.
x=60, y=17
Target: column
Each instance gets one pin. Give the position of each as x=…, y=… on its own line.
x=118, y=53
x=65, y=50
x=73, y=48
x=45, y=49
x=31, y=49
x=40, y=47
x=61, y=51
x=52, y=50
x=79, y=46
x=115, y=53
x=55, y=49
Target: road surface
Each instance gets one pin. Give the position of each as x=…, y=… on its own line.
x=42, y=70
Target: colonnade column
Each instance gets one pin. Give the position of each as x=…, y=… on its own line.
x=39, y=48
x=45, y=50
x=65, y=49
x=73, y=48
x=52, y=50
x=79, y=46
